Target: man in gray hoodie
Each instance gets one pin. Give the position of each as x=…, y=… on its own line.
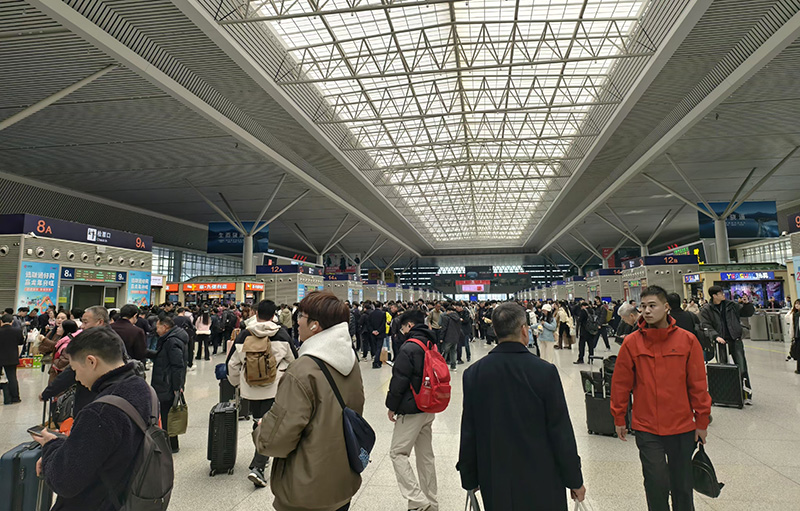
x=260, y=397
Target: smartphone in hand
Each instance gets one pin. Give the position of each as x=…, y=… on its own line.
x=36, y=430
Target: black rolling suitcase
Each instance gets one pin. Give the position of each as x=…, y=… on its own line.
x=222, y=438
x=228, y=392
x=725, y=381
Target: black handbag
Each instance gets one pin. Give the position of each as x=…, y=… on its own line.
x=705, y=477
x=359, y=437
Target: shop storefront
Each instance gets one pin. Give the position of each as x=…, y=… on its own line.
x=759, y=282
x=204, y=292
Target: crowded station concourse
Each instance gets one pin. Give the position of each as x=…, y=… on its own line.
x=410, y=255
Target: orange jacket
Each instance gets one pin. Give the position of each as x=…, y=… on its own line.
x=664, y=368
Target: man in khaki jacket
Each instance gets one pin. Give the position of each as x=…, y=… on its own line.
x=303, y=429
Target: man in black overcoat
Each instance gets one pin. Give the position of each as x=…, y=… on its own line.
x=517, y=442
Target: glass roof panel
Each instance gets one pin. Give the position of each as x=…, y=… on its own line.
x=467, y=110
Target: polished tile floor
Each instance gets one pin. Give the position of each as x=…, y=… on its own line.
x=756, y=451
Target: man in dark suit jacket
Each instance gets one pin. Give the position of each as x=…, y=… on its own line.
x=376, y=326
x=11, y=339
x=534, y=436
x=132, y=336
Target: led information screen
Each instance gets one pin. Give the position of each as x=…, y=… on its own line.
x=691, y=279
x=794, y=222
x=472, y=286
x=748, y=275
x=90, y=275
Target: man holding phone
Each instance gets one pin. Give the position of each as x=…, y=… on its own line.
x=104, y=442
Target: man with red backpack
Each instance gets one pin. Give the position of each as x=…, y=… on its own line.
x=420, y=388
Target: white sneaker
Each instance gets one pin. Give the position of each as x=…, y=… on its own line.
x=191, y=369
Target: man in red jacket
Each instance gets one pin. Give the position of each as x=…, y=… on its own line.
x=664, y=368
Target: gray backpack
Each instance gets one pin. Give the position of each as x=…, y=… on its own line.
x=150, y=487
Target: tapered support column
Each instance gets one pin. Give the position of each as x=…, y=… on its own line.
x=721, y=237
x=248, y=266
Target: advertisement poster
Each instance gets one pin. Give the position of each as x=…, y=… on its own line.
x=38, y=285
x=301, y=291
x=796, y=260
x=749, y=220
x=223, y=238
x=139, y=288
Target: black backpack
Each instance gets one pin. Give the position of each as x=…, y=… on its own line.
x=228, y=320
x=592, y=322
x=152, y=475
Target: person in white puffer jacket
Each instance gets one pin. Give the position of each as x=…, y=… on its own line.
x=260, y=397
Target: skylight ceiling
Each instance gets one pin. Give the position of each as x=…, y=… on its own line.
x=468, y=110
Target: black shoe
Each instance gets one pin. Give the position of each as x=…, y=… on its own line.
x=469, y=359
x=176, y=450
x=207, y=359
x=579, y=361
x=459, y=362
x=797, y=371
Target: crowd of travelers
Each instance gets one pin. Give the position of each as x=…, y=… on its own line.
x=515, y=422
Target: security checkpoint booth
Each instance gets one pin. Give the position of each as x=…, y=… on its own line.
x=44, y=262
x=394, y=292
x=575, y=287
x=604, y=283
x=290, y=283
x=345, y=286
x=375, y=291
x=666, y=271
x=559, y=290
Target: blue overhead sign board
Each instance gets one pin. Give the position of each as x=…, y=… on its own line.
x=748, y=275
x=223, y=238
x=44, y=227
x=749, y=220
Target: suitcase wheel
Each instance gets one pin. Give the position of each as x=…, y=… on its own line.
x=591, y=432
x=230, y=472
x=614, y=434
x=212, y=473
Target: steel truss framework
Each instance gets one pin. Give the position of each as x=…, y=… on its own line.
x=466, y=109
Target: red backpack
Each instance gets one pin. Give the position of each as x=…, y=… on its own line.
x=434, y=394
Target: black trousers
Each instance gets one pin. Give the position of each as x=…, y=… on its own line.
x=203, y=341
x=464, y=343
x=165, y=406
x=604, y=333
x=190, y=352
x=589, y=339
x=11, y=394
x=376, y=342
x=259, y=409
x=667, y=469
